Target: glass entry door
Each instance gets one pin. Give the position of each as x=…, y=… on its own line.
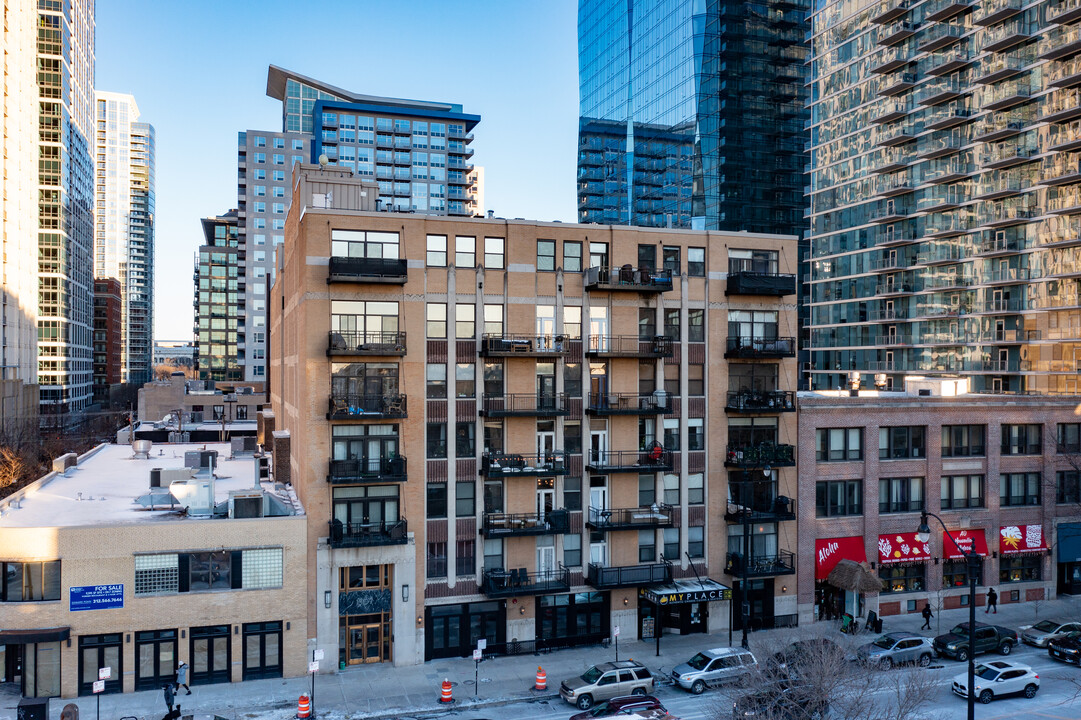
x=96, y=652
x=155, y=659
x=210, y=654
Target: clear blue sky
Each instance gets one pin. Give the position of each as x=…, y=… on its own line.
x=198, y=72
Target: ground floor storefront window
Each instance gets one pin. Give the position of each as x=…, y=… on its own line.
x=903, y=578
x=955, y=573
x=1020, y=568
x=453, y=630
x=572, y=619
x=37, y=665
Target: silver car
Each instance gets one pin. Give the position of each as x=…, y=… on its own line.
x=897, y=648
x=713, y=667
x=1045, y=631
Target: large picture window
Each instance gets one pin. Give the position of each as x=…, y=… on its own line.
x=962, y=491
x=29, y=581
x=838, y=497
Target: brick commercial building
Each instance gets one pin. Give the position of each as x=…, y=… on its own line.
x=108, y=334
x=136, y=561
x=501, y=427
x=1000, y=470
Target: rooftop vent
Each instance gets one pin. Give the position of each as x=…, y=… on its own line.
x=141, y=448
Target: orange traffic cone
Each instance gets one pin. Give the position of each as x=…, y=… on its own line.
x=304, y=707
x=542, y=679
x=446, y=696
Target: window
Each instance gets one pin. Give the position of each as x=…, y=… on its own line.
x=437, y=440
x=493, y=379
x=955, y=573
x=903, y=578
x=671, y=544
x=572, y=256
x=962, y=491
x=896, y=495
x=260, y=141
x=647, y=323
x=279, y=159
x=572, y=321
x=696, y=262
x=572, y=493
x=836, y=498
x=647, y=257
x=546, y=255
x=696, y=491
x=436, y=326
x=761, y=262
x=572, y=379
x=437, y=251
x=465, y=380
x=696, y=379
x=696, y=438
x=900, y=442
x=696, y=541
x=838, y=444
x=437, y=500
x=647, y=490
x=671, y=259
x=493, y=554
x=1021, y=439
x=493, y=496
x=572, y=437
x=437, y=381
x=493, y=320
x=1020, y=568
x=1019, y=489
x=671, y=379
x=465, y=439
x=1069, y=487
x=572, y=550
x=437, y=560
x=465, y=499
x=671, y=323
x=598, y=254
x=29, y=581
x=647, y=546
x=465, y=321
x=671, y=434
x=465, y=561
x=493, y=253
x=670, y=485
x=696, y=329
x=493, y=436
x=465, y=251
x=963, y=440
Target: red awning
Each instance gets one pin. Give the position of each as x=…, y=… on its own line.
x=830, y=551
x=1017, y=539
x=902, y=548
x=966, y=540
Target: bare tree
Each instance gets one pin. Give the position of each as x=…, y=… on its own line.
x=13, y=467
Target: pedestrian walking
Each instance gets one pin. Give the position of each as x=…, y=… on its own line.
x=927, y=616
x=182, y=677
x=168, y=690
x=992, y=601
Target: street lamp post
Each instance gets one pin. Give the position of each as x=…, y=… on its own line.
x=923, y=534
x=744, y=565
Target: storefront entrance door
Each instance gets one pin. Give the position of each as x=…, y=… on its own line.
x=365, y=642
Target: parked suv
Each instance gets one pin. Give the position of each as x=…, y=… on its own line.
x=954, y=644
x=712, y=668
x=896, y=648
x=605, y=681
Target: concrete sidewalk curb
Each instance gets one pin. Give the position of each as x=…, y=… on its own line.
x=456, y=706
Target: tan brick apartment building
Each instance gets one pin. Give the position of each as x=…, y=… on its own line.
x=1000, y=470
x=524, y=431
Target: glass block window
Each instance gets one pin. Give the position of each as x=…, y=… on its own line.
x=262, y=568
x=156, y=574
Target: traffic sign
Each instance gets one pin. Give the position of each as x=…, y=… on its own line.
x=313, y=666
x=477, y=655
x=616, y=633
x=317, y=654
x=105, y=673
x=482, y=643
x=99, y=686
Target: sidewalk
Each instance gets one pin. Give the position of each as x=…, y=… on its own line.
x=384, y=691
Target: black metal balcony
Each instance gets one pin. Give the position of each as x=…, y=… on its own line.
x=499, y=583
x=366, y=407
x=368, y=470
x=760, y=401
x=535, y=346
x=761, y=509
x=628, y=277
x=506, y=465
x=524, y=405
x=606, y=578
x=760, y=455
x=341, y=344
x=628, y=346
x=757, y=347
x=368, y=270
x=639, y=518
x=346, y=535
x=755, y=283
x=497, y=525
x=654, y=460
x=783, y=563
x=657, y=403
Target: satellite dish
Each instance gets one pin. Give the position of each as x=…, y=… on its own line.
x=323, y=160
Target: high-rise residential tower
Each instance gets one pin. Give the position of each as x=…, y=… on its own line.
x=219, y=300
x=692, y=114
x=65, y=105
x=945, y=201
x=417, y=151
x=124, y=236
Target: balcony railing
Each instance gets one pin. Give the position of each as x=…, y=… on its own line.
x=524, y=405
x=367, y=270
x=523, y=345
x=990, y=12
x=362, y=534
x=1064, y=11
x=758, y=347
x=628, y=346
x=605, y=578
x=342, y=343
x=366, y=407
x=628, y=277
x=656, y=403
x=503, y=465
x=365, y=470
x=755, y=283
x=783, y=563
x=765, y=509
x=753, y=401
x=497, y=525
x=654, y=460
x=760, y=455
x=639, y=518
x=500, y=583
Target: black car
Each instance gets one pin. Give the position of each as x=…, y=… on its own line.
x=781, y=703
x=1066, y=648
x=802, y=654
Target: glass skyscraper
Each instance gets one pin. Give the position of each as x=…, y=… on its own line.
x=692, y=114
x=945, y=194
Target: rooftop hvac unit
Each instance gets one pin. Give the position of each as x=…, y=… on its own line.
x=245, y=504
x=164, y=477
x=155, y=477
x=245, y=390
x=195, y=495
